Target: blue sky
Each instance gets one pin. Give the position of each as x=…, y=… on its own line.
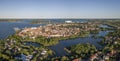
x=59, y=8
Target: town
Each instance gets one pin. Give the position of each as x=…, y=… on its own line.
x=57, y=30
x=48, y=31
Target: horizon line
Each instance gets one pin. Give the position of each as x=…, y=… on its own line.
x=59, y=18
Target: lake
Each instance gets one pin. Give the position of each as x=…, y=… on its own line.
x=59, y=48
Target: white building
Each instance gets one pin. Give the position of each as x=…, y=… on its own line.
x=68, y=22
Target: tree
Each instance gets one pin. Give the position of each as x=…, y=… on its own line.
x=64, y=58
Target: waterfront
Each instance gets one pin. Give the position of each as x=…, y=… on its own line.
x=7, y=28
x=59, y=48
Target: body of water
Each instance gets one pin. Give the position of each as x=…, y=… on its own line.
x=59, y=48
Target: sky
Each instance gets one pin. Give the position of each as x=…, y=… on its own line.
x=59, y=8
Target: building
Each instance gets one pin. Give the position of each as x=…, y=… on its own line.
x=68, y=22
